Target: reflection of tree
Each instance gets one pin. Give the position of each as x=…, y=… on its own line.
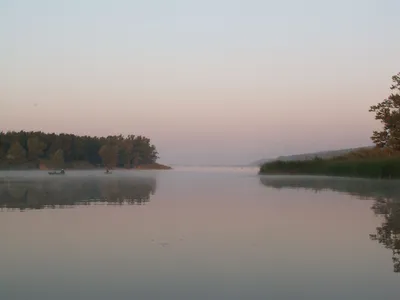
x=389, y=233
x=385, y=193
x=67, y=192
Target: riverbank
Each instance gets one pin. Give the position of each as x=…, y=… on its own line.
x=154, y=166
x=374, y=163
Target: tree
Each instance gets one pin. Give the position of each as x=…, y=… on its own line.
x=64, y=142
x=35, y=148
x=125, y=153
x=388, y=113
x=78, y=148
x=16, y=153
x=118, y=149
x=2, y=152
x=57, y=159
x=109, y=155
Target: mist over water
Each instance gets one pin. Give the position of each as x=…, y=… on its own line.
x=197, y=233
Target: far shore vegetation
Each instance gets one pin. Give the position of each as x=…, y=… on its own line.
x=39, y=150
x=381, y=161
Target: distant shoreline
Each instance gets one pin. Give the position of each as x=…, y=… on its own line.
x=367, y=163
x=25, y=150
x=40, y=166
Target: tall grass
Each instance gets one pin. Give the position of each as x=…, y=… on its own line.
x=367, y=163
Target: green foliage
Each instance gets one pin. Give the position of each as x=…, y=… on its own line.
x=109, y=155
x=131, y=150
x=57, y=158
x=370, y=168
x=16, y=153
x=3, y=152
x=388, y=113
x=35, y=148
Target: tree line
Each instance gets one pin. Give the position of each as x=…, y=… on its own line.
x=60, y=149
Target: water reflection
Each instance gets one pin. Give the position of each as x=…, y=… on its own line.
x=385, y=193
x=42, y=193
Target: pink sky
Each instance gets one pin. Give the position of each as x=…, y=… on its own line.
x=227, y=88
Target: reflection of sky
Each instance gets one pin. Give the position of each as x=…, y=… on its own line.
x=226, y=236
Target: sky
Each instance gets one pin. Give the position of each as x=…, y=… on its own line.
x=209, y=82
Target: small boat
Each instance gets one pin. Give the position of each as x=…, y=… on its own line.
x=62, y=172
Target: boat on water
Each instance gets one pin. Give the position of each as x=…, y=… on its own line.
x=62, y=172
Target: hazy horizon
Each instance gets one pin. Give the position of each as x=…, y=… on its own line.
x=211, y=82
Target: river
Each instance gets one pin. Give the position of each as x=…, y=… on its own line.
x=197, y=233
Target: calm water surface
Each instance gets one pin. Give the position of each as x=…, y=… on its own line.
x=192, y=233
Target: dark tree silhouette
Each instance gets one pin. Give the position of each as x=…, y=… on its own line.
x=22, y=147
x=388, y=113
